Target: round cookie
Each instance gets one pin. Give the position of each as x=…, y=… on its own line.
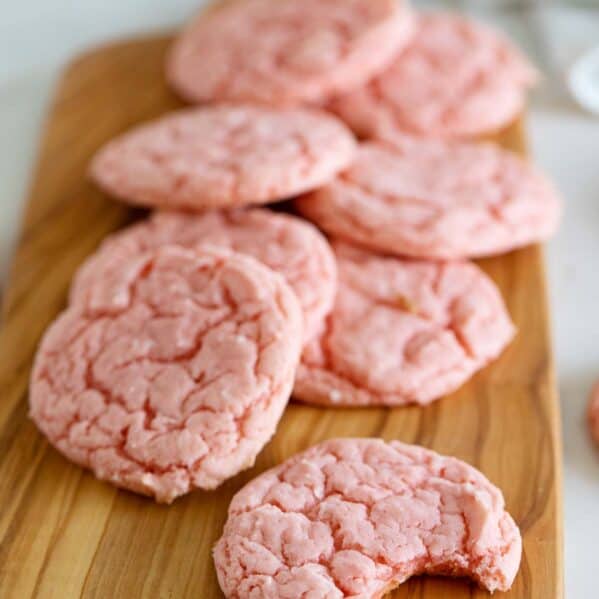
x=593, y=414
x=288, y=245
x=357, y=518
x=436, y=199
x=402, y=332
x=281, y=52
x=224, y=156
x=174, y=372
x=456, y=78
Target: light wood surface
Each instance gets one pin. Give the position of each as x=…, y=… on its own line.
x=64, y=535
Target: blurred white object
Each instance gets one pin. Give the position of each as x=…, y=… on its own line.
x=583, y=81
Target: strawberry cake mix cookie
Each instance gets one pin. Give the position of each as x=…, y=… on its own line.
x=358, y=517
x=436, y=199
x=288, y=245
x=402, y=331
x=174, y=372
x=224, y=156
x=456, y=78
x=286, y=51
x=593, y=414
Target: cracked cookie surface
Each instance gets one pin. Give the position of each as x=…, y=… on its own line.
x=357, y=517
x=456, y=78
x=224, y=156
x=288, y=245
x=402, y=331
x=281, y=52
x=436, y=199
x=174, y=372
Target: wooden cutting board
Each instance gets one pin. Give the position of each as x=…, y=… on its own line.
x=63, y=534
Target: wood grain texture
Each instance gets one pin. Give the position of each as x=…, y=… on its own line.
x=63, y=534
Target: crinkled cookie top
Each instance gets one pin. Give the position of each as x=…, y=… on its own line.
x=173, y=373
x=357, y=517
x=456, y=78
x=224, y=156
x=288, y=245
x=286, y=51
x=402, y=331
x=431, y=198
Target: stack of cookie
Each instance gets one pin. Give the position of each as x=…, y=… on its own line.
x=187, y=333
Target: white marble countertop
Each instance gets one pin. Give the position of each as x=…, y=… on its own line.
x=36, y=38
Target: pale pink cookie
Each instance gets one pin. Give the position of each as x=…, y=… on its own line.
x=402, y=331
x=174, y=372
x=224, y=156
x=436, y=199
x=358, y=517
x=286, y=51
x=457, y=78
x=593, y=413
x=288, y=245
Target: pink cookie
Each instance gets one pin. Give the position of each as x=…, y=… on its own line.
x=358, y=517
x=286, y=244
x=436, y=199
x=456, y=78
x=174, y=372
x=287, y=51
x=224, y=156
x=593, y=413
x=402, y=331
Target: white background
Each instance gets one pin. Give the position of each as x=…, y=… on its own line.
x=37, y=36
